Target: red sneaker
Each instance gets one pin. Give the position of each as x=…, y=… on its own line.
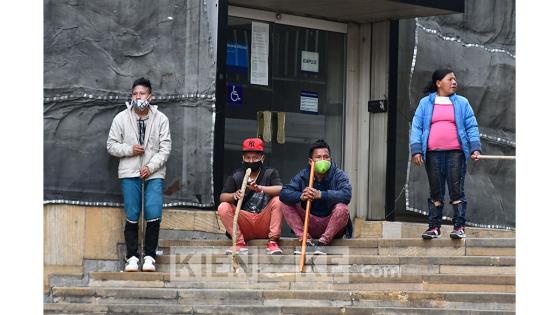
x=272, y=248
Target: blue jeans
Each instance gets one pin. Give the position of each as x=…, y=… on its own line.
x=446, y=167
x=153, y=206
x=153, y=198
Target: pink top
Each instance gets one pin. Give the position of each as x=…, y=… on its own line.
x=443, y=131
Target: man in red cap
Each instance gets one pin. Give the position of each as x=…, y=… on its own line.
x=260, y=216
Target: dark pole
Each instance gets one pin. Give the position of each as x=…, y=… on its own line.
x=219, y=124
x=392, y=121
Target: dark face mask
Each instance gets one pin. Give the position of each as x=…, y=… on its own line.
x=255, y=166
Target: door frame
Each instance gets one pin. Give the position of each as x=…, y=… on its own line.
x=287, y=19
x=224, y=12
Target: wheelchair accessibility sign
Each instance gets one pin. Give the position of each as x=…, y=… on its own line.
x=234, y=94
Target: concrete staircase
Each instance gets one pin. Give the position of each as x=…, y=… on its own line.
x=359, y=276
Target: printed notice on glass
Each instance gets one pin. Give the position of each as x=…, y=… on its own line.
x=309, y=102
x=259, y=53
x=309, y=61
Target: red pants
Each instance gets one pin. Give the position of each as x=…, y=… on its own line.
x=323, y=228
x=267, y=224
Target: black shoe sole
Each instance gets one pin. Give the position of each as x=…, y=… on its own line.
x=274, y=253
x=457, y=237
x=429, y=237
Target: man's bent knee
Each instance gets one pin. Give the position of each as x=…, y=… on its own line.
x=225, y=208
x=341, y=207
x=275, y=201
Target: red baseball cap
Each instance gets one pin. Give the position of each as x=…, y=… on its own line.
x=253, y=145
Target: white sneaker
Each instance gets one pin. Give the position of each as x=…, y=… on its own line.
x=131, y=264
x=149, y=264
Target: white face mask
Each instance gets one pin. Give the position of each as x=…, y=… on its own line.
x=140, y=104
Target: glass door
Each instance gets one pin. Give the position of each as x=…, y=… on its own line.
x=308, y=86
x=297, y=84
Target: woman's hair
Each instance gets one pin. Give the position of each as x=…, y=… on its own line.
x=436, y=76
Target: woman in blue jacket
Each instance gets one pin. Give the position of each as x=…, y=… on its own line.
x=444, y=134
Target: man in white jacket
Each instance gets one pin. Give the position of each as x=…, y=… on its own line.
x=140, y=138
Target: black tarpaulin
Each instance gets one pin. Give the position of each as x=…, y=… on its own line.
x=93, y=52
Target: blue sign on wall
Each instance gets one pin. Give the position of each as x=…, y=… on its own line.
x=234, y=94
x=237, y=57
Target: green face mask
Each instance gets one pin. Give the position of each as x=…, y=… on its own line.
x=322, y=166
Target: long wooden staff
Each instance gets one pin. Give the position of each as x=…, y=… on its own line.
x=496, y=157
x=306, y=222
x=234, y=261
x=142, y=224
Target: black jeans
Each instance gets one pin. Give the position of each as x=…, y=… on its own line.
x=446, y=167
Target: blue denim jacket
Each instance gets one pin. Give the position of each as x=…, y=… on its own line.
x=467, y=127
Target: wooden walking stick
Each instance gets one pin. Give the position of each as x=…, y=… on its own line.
x=142, y=229
x=234, y=261
x=306, y=222
x=496, y=157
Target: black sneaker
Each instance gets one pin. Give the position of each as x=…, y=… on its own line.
x=431, y=233
x=458, y=233
x=320, y=249
x=308, y=248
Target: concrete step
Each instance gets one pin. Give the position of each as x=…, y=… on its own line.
x=261, y=310
x=454, y=300
x=358, y=242
x=362, y=264
x=296, y=280
x=384, y=229
x=382, y=247
x=428, y=269
x=200, y=263
x=339, y=260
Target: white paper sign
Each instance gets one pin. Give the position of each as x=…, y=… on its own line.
x=309, y=102
x=309, y=61
x=259, y=53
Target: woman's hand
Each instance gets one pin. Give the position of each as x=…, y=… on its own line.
x=417, y=159
x=475, y=155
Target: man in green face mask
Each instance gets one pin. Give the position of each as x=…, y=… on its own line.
x=330, y=196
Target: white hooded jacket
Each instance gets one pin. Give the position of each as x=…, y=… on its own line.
x=157, y=143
